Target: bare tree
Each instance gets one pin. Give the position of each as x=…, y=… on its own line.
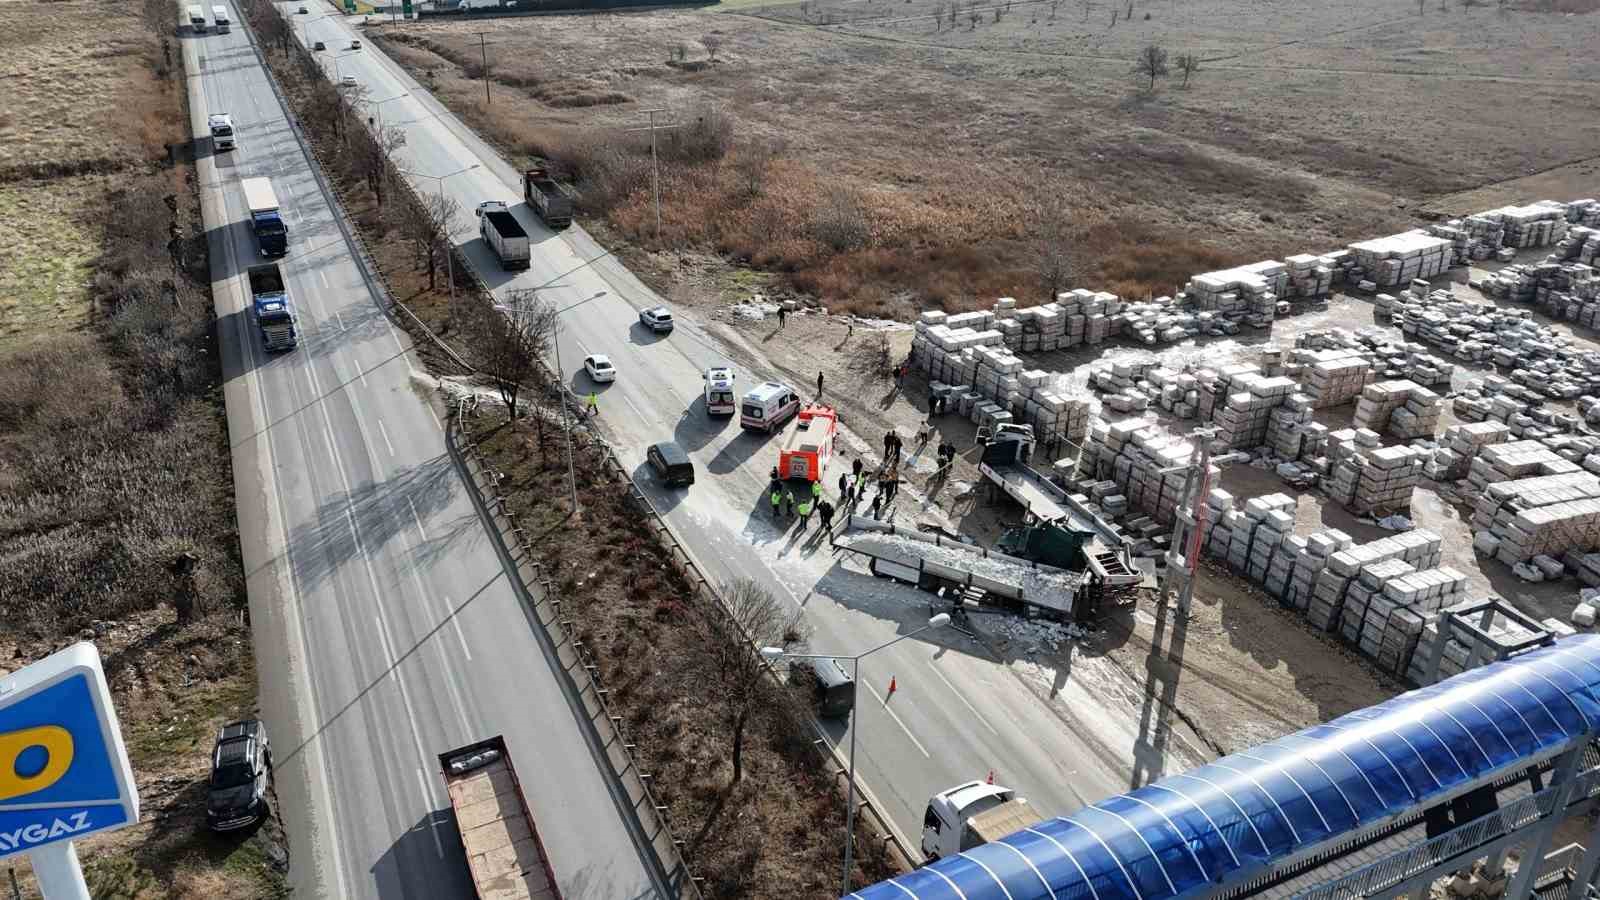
x=955, y=8
x=1053, y=262
x=424, y=225
x=1152, y=63
x=840, y=221
x=508, y=344
x=712, y=43
x=938, y=16
x=1188, y=64
x=370, y=152
x=731, y=642
x=752, y=163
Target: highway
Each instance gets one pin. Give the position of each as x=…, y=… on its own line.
x=385, y=627
x=958, y=713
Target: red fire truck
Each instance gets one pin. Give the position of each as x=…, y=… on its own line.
x=808, y=443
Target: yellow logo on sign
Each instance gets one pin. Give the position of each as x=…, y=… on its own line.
x=57, y=744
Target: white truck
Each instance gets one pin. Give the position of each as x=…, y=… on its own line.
x=197, y=18
x=972, y=814
x=504, y=851
x=219, y=15
x=221, y=125
x=504, y=234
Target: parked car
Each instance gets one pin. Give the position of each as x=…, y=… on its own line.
x=302, y=11
x=355, y=45
x=657, y=319
x=319, y=46
x=241, y=761
x=348, y=81
x=671, y=463
x=599, y=367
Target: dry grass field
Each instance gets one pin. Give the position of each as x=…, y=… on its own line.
x=1305, y=127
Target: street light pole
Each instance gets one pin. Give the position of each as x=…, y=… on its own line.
x=449, y=256
x=776, y=653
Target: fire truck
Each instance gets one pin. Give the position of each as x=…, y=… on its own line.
x=808, y=443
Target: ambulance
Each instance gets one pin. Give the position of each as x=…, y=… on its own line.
x=808, y=444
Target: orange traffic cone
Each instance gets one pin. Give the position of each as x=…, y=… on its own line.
x=891, y=686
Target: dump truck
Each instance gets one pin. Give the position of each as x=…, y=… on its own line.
x=272, y=235
x=221, y=126
x=972, y=814
x=504, y=235
x=808, y=445
x=549, y=199
x=504, y=852
x=270, y=302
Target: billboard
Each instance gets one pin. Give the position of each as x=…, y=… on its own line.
x=64, y=772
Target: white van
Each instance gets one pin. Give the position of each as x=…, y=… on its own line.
x=767, y=406
x=197, y=19
x=719, y=391
x=219, y=14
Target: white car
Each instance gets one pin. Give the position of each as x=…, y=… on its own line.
x=355, y=45
x=657, y=318
x=599, y=367
x=348, y=81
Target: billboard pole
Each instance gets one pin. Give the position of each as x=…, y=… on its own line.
x=60, y=876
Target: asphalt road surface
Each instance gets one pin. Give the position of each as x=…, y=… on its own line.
x=958, y=713
x=385, y=628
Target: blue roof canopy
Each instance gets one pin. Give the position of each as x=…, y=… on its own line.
x=1193, y=830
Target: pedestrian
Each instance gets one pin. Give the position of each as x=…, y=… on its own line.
x=788, y=502
x=805, y=513
x=888, y=443
x=893, y=488
x=825, y=515
x=877, y=499
x=594, y=404
x=844, y=488
x=855, y=468
x=924, y=434
x=816, y=490
x=777, y=502
x=850, y=328
x=933, y=401
x=782, y=313
x=819, y=385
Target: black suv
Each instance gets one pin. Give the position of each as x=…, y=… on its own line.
x=240, y=766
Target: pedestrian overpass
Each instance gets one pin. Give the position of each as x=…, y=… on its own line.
x=1377, y=803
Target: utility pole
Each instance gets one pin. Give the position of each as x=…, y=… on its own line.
x=483, y=50
x=655, y=166
x=1188, y=522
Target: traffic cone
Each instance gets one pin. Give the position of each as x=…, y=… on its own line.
x=891, y=686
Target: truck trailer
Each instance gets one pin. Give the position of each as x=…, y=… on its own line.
x=504, y=851
x=272, y=235
x=549, y=199
x=504, y=235
x=270, y=301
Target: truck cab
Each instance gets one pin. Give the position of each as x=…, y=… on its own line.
x=972, y=814
x=219, y=14
x=221, y=125
x=196, y=18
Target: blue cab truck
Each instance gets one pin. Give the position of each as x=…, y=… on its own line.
x=270, y=303
x=272, y=234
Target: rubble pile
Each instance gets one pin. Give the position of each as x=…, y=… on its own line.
x=1402, y=408
x=1368, y=478
x=1458, y=447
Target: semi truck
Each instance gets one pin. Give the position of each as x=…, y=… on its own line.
x=972, y=814
x=504, y=851
x=221, y=125
x=219, y=14
x=272, y=235
x=270, y=302
x=197, y=18
x=549, y=199
x=504, y=234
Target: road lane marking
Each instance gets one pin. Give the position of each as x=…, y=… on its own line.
x=634, y=408
x=385, y=432
x=323, y=276
x=981, y=719
x=417, y=519
x=885, y=704
x=338, y=318
x=450, y=613
x=427, y=802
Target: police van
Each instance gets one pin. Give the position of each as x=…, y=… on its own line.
x=767, y=406
x=719, y=391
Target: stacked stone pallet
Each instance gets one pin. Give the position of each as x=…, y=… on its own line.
x=1496, y=398
x=1476, y=632
x=1537, y=225
x=1458, y=447
x=1291, y=432
x=1044, y=328
x=1539, y=357
x=988, y=381
x=1581, y=245
x=1367, y=478
x=1512, y=460
x=1132, y=454
x=1387, y=605
x=1417, y=549
x=1547, y=515
x=1309, y=276
x=1399, y=258
x=1386, y=359
x=1247, y=292
x=1401, y=408
x=1244, y=416
x=1336, y=377
x=1312, y=559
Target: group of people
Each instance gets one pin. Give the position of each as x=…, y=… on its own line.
x=784, y=502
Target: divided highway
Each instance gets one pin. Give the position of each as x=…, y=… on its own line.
x=386, y=630
x=958, y=713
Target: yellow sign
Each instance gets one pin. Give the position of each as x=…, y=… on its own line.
x=57, y=744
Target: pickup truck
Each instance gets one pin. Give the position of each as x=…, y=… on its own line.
x=503, y=848
x=272, y=235
x=270, y=302
x=504, y=234
x=549, y=199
